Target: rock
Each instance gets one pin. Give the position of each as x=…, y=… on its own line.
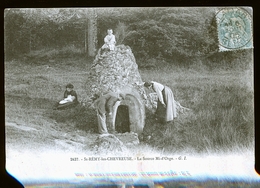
x=108, y=144
x=115, y=71
x=114, y=143
x=128, y=139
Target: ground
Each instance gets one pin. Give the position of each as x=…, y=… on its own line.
x=31, y=90
x=220, y=120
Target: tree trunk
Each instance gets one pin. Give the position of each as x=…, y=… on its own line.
x=92, y=33
x=30, y=42
x=85, y=39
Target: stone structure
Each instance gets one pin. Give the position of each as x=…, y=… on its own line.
x=108, y=144
x=117, y=71
x=114, y=144
x=128, y=139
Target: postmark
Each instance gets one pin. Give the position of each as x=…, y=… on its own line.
x=234, y=27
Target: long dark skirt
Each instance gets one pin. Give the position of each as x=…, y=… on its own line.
x=168, y=113
x=65, y=105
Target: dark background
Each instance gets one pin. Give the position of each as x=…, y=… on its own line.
x=7, y=180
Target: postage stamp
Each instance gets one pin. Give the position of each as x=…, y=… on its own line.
x=234, y=26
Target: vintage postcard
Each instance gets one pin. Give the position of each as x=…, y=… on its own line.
x=130, y=97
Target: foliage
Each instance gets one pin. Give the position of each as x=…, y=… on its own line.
x=27, y=30
x=221, y=116
x=179, y=36
x=121, y=31
x=173, y=33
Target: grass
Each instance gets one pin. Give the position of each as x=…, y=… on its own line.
x=221, y=116
x=221, y=103
x=64, y=52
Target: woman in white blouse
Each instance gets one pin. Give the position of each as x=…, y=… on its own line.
x=166, y=108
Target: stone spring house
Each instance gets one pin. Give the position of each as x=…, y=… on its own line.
x=117, y=71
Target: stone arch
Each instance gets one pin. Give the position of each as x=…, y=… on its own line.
x=136, y=110
x=117, y=71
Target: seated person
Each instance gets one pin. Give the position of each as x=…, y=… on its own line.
x=70, y=98
x=110, y=41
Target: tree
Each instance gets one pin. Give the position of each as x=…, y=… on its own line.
x=92, y=32
x=172, y=33
x=168, y=33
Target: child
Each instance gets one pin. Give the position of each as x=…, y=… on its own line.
x=110, y=40
x=70, y=98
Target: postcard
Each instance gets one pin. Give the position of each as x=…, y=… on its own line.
x=128, y=97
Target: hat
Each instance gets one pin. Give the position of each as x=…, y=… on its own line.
x=69, y=86
x=147, y=84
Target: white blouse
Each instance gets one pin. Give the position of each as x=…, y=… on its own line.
x=110, y=42
x=157, y=87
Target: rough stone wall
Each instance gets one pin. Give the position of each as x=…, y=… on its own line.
x=115, y=71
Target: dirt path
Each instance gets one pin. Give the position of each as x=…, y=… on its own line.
x=26, y=137
x=39, y=152
x=45, y=152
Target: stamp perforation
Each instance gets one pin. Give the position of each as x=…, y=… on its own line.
x=234, y=26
